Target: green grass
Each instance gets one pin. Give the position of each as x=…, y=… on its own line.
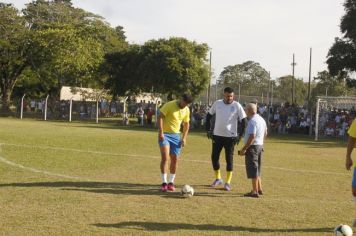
x=102, y=179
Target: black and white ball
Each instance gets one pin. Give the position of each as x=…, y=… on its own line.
x=343, y=230
x=187, y=191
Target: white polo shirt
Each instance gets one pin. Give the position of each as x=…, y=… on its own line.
x=256, y=125
x=226, y=117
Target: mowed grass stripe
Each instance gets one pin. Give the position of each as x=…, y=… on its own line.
x=157, y=157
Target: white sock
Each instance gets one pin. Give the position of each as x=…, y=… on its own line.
x=172, y=177
x=164, y=178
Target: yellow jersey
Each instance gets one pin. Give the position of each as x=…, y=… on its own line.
x=352, y=129
x=174, y=116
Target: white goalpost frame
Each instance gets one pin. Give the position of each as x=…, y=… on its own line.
x=317, y=120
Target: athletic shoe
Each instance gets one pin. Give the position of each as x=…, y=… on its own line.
x=216, y=183
x=171, y=187
x=260, y=192
x=164, y=187
x=227, y=187
x=251, y=194
x=354, y=223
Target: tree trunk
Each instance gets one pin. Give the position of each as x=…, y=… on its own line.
x=5, y=99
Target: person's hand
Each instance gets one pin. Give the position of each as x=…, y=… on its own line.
x=209, y=134
x=183, y=142
x=160, y=136
x=238, y=138
x=348, y=163
x=242, y=152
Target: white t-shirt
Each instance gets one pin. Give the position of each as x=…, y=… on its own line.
x=256, y=125
x=226, y=117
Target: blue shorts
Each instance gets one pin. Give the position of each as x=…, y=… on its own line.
x=354, y=178
x=173, y=141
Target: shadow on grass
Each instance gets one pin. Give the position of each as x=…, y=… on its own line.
x=114, y=188
x=133, y=128
x=155, y=226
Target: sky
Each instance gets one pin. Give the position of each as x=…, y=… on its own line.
x=264, y=31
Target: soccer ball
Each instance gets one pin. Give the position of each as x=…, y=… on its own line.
x=343, y=230
x=187, y=191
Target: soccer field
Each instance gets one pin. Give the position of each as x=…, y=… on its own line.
x=60, y=178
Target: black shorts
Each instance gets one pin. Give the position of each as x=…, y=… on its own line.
x=253, y=163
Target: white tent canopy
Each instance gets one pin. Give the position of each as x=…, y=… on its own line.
x=75, y=93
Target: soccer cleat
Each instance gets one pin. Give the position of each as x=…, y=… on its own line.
x=354, y=223
x=171, y=187
x=227, y=187
x=260, y=192
x=216, y=183
x=251, y=194
x=164, y=187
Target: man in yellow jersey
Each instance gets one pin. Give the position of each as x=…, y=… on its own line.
x=172, y=114
x=349, y=163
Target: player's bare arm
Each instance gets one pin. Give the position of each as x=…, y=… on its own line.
x=185, y=133
x=350, y=147
x=160, y=127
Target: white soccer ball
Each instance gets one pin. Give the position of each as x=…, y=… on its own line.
x=187, y=191
x=343, y=230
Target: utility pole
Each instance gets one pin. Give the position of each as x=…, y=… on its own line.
x=209, y=81
x=268, y=100
x=269, y=88
x=309, y=89
x=293, y=80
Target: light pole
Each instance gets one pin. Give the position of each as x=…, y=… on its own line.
x=293, y=80
x=209, y=80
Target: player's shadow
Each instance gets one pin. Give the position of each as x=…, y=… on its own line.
x=108, y=188
x=94, y=187
x=157, y=226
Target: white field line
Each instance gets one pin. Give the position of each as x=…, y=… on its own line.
x=10, y=163
x=145, y=156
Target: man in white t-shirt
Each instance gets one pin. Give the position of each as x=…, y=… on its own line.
x=225, y=133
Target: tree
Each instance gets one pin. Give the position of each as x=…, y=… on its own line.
x=174, y=66
x=68, y=44
x=65, y=56
x=167, y=66
x=284, y=86
x=328, y=85
x=341, y=58
x=13, y=50
x=251, y=76
x=123, y=71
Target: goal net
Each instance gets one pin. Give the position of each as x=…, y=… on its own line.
x=334, y=116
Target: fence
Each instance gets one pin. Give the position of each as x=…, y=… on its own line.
x=52, y=109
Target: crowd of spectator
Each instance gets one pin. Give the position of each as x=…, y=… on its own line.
x=335, y=122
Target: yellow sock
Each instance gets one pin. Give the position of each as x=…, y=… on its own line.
x=217, y=174
x=228, y=177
